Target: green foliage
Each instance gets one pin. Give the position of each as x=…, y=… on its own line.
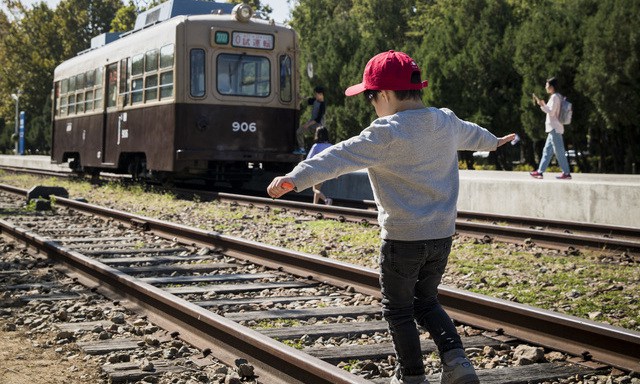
x=609, y=74
x=351, y=364
x=30, y=50
x=125, y=18
x=338, y=37
x=32, y=43
x=297, y=344
x=482, y=58
x=549, y=43
x=465, y=54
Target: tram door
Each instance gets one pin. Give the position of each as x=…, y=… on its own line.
x=111, y=95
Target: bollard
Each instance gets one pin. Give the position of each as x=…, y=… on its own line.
x=42, y=205
x=45, y=192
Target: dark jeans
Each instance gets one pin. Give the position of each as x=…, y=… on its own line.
x=410, y=272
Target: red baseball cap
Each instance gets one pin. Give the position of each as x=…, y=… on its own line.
x=391, y=71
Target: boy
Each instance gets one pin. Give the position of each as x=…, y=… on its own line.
x=410, y=153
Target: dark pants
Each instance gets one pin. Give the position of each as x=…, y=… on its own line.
x=410, y=272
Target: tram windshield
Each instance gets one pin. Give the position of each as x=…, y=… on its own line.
x=243, y=75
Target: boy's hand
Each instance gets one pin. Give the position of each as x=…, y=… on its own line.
x=279, y=186
x=505, y=139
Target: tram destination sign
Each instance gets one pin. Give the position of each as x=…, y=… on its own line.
x=252, y=40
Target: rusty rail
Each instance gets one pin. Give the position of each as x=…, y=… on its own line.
x=608, y=344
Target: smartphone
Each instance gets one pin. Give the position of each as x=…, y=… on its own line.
x=534, y=98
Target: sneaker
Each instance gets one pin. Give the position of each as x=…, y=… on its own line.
x=328, y=201
x=536, y=174
x=564, y=176
x=420, y=379
x=300, y=151
x=461, y=372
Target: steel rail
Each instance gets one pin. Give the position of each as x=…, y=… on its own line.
x=600, y=229
x=328, y=211
x=552, y=239
x=548, y=238
x=604, y=343
x=597, y=236
x=612, y=345
x=274, y=361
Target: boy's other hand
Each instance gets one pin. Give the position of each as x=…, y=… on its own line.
x=279, y=186
x=505, y=139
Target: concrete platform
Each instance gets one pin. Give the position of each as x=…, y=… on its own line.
x=590, y=198
x=35, y=162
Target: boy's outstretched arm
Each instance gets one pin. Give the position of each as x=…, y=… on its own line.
x=505, y=139
x=279, y=186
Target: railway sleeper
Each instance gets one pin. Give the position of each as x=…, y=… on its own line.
x=534, y=373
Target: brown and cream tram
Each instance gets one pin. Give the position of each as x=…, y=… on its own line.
x=208, y=96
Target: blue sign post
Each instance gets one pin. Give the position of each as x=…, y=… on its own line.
x=21, y=135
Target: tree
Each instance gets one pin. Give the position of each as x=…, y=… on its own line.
x=610, y=75
x=338, y=37
x=34, y=43
x=81, y=20
x=31, y=50
x=548, y=43
x=125, y=18
x=465, y=53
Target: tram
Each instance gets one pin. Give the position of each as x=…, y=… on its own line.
x=196, y=90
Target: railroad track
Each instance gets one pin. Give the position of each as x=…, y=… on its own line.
x=553, y=234
x=184, y=279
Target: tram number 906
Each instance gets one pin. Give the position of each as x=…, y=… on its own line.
x=243, y=127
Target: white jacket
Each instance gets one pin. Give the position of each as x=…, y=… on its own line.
x=552, y=109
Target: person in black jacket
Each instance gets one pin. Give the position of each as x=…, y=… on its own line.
x=317, y=119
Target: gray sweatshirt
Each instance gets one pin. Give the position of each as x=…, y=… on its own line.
x=412, y=161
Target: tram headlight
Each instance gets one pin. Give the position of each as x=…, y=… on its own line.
x=242, y=12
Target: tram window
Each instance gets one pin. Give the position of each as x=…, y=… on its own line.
x=97, y=103
x=166, y=56
x=80, y=81
x=72, y=83
x=90, y=77
x=246, y=75
x=80, y=102
x=63, y=106
x=151, y=90
x=285, y=78
x=151, y=61
x=56, y=95
x=197, y=65
x=112, y=84
x=166, y=85
x=88, y=101
x=64, y=86
x=136, y=91
x=71, y=104
x=97, y=100
x=124, y=81
x=137, y=65
x=99, y=77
